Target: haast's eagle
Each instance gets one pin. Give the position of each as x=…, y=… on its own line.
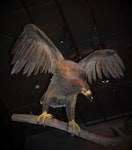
x=34, y=52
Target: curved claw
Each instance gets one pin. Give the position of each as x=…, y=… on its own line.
x=75, y=126
x=43, y=117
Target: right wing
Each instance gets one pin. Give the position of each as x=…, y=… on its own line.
x=105, y=61
x=34, y=52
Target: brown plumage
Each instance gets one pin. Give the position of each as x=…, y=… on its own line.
x=34, y=52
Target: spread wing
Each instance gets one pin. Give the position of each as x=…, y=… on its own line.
x=105, y=62
x=34, y=52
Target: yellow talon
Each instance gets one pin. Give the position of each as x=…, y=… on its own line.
x=74, y=126
x=43, y=116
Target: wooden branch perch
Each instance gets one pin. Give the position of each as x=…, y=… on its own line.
x=107, y=141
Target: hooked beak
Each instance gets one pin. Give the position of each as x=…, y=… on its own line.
x=88, y=94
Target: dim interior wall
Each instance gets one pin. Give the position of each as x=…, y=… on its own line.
x=21, y=93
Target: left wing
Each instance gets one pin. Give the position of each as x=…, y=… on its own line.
x=34, y=52
x=105, y=61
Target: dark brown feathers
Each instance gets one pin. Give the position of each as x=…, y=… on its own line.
x=105, y=61
x=34, y=52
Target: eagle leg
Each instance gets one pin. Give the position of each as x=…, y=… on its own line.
x=43, y=117
x=74, y=125
x=70, y=109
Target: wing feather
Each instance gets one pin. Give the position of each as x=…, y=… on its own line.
x=93, y=72
x=98, y=70
x=104, y=69
x=117, y=66
x=34, y=52
x=105, y=61
x=21, y=50
x=120, y=62
x=111, y=68
x=88, y=71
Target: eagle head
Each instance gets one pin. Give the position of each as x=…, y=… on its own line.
x=83, y=88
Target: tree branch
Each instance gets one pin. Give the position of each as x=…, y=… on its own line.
x=107, y=141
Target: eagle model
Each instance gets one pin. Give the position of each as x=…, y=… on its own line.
x=34, y=52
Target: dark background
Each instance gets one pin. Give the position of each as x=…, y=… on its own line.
x=19, y=94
